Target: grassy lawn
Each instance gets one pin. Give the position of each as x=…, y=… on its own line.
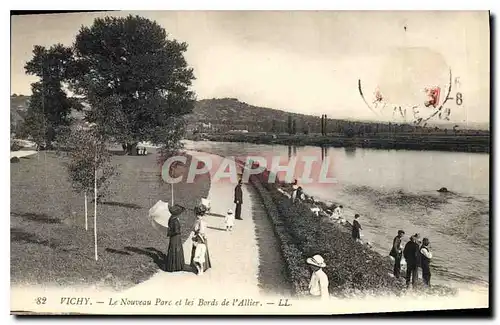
x=49, y=244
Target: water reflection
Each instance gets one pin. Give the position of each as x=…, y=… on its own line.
x=292, y=151
x=324, y=153
x=350, y=152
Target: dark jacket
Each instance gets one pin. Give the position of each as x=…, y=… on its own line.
x=238, y=194
x=410, y=252
x=396, y=243
x=355, y=229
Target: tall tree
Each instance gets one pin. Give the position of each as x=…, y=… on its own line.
x=135, y=80
x=290, y=123
x=49, y=107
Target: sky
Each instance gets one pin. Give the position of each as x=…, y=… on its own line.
x=306, y=61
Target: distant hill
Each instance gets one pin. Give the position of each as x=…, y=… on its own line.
x=230, y=113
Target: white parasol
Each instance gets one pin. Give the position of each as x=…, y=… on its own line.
x=159, y=215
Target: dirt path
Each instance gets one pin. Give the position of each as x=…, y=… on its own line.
x=243, y=262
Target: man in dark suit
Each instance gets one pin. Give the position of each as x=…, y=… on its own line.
x=238, y=200
x=410, y=253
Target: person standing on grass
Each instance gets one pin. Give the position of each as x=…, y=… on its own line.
x=238, y=199
x=175, y=254
x=397, y=252
x=356, y=227
x=425, y=260
x=410, y=253
x=318, y=286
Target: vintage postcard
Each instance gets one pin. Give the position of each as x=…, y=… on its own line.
x=249, y=162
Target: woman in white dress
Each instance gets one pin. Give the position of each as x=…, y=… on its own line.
x=199, y=258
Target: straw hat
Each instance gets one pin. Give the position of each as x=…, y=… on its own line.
x=176, y=209
x=229, y=211
x=316, y=260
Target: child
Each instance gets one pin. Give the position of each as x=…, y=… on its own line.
x=199, y=253
x=229, y=220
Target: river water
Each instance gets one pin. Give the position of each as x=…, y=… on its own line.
x=394, y=190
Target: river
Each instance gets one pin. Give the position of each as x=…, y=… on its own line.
x=394, y=190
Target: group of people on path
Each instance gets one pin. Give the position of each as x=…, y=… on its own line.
x=416, y=253
x=200, y=256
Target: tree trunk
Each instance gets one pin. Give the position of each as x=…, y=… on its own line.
x=86, y=218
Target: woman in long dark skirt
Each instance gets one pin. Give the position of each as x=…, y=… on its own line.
x=199, y=229
x=175, y=254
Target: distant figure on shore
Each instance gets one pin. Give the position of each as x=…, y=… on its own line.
x=300, y=193
x=229, y=220
x=338, y=212
x=356, y=227
x=200, y=253
x=199, y=229
x=397, y=253
x=410, y=253
x=318, y=286
x=425, y=259
x=238, y=199
x=175, y=254
x=294, y=195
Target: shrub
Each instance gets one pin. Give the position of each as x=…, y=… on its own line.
x=351, y=266
x=15, y=160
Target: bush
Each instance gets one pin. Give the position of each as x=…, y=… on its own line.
x=14, y=160
x=351, y=266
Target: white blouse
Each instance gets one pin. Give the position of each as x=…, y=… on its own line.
x=319, y=284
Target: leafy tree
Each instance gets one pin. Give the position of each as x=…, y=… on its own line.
x=89, y=164
x=49, y=107
x=290, y=124
x=135, y=80
x=294, y=126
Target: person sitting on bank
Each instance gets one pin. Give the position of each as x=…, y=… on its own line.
x=425, y=260
x=318, y=286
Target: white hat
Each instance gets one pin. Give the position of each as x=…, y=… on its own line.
x=229, y=211
x=316, y=260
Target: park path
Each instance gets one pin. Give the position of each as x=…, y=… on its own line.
x=22, y=153
x=234, y=255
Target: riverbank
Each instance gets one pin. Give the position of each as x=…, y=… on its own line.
x=49, y=243
x=306, y=228
x=429, y=142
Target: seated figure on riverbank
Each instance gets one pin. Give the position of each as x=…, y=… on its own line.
x=318, y=285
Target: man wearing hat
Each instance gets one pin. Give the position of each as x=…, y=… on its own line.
x=175, y=254
x=396, y=252
x=410, y=253
x=318, y=286
x=238, y=199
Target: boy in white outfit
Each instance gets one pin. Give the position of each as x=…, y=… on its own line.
x=229, y=220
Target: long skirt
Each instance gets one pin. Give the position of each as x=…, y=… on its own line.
x=175, y=255
x=207, y=263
